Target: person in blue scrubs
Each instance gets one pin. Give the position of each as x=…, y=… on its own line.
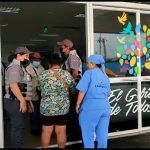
x=93, y=104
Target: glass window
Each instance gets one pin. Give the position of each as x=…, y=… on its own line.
x=145, y=69
x=115, y=39
x=145, y=42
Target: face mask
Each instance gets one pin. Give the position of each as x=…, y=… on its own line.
x=36, y=63
x=25, y=63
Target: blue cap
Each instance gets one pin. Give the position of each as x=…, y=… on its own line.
x=97, y=59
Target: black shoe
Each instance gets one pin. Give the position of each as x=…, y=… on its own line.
x=35, y=132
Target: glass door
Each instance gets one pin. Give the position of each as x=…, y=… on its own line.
x=22, y=24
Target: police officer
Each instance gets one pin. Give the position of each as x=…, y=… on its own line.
x=93, y=104
x=17, y=99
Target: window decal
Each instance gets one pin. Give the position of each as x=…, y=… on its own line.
x=129, y=47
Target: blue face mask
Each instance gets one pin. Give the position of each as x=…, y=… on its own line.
x=36, y=63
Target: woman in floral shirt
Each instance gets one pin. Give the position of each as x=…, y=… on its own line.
x=54, y=107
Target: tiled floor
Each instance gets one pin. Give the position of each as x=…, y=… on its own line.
x=30, y=141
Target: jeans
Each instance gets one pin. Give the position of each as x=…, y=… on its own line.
x=16, y=122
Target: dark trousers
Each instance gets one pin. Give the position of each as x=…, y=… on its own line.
x=4, y=111
x=35, y=122
x=16, y=122
x=73, y=128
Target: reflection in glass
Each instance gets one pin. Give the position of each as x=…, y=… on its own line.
x=107, y=45
x=116, y=42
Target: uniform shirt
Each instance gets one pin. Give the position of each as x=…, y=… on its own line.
x=74, y=62
x=55, y=100
x=95, y=85
x=15, y=73
x=34, y=72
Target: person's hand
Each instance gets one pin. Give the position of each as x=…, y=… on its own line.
x=23, y=106
x=30, y=107
x=77, y=108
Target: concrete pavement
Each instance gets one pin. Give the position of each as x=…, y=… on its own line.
x=141, y=140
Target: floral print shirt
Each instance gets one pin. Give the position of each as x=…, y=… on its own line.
x=55, y=99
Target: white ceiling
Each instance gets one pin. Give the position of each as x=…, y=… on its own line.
x=29, y=23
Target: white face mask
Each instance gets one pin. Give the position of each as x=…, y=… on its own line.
x=36, y=63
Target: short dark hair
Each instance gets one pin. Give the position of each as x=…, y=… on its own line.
x=55, y=60
x=12, y=56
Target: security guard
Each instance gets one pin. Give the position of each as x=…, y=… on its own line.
x=18, y=87
x=34, y=69
x=93, y=104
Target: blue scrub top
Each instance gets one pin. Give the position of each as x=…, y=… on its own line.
x=95, y=85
